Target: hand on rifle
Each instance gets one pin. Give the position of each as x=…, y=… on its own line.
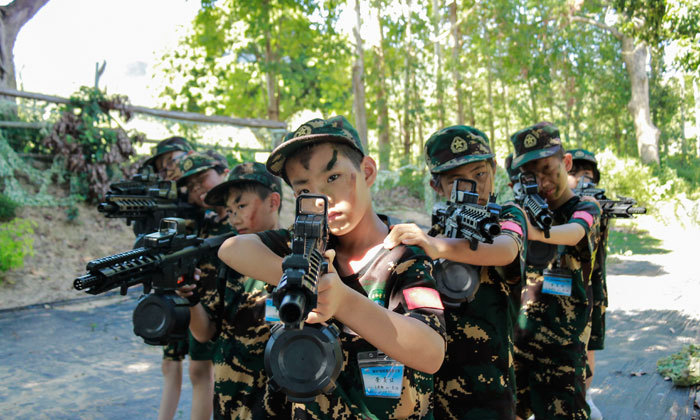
x=411, y=234
x=331, y=293
x=591, y=200
x=189, y=291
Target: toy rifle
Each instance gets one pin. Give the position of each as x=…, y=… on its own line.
x=296, y=293
x=167, y=259
x=623, y=207
x=537, y=209
x=303, y=360
x=462, y=217
x=145, y=200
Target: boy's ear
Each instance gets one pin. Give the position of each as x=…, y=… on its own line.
x=568, y=162
x=275, y=201
x=369, y=170
x=435, y=185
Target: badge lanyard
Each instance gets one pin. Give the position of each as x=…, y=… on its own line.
x=382, y=376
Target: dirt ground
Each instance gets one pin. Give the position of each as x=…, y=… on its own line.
x=61, y=250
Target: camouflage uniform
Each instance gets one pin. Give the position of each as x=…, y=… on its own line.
x=240, y=384
x=552, y=330
x=399, y=280
x=598, y=278
x=211, y=225
x=238, y=309
x=477, y=379
x=409, y=270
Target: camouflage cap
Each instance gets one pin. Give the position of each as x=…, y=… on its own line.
x=535, y=142
x=195, y=163
x=513, y=174
x=335, y=129
x=585, y=155
x=249, y=172
x=455, y=146
x=171, y=144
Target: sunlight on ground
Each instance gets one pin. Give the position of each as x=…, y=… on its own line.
x=138, y=367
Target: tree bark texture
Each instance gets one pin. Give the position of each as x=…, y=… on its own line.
x=12, y=17
x=456, y=75
x=635, y=58
x=358, y=80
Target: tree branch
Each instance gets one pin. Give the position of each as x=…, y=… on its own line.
x=583, y=19
x=19, y=12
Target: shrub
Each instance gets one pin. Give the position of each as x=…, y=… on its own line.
x=16, y=243
x=410, y=177
x=7, y=208
x=660, y=189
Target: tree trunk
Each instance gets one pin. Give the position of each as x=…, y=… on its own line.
x=407, y=85
x=438, y=65
x=696, y=95
x=383, y=117
x=489, y=94
x=358, y=80
x=273, y=105
x=12, y=17
x=635, y=58
x=456, y=74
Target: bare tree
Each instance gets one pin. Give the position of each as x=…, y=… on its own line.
x=12, y=17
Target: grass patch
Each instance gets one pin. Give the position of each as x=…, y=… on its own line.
x=630, y=241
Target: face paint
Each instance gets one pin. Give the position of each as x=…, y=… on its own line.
x=333, y=160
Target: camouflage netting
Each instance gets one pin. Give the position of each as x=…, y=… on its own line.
x=683, y=367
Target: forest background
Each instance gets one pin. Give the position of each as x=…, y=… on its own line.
x=617, y=77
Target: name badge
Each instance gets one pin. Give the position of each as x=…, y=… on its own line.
x=557, y=281
x=382, y=376
x=271, y=312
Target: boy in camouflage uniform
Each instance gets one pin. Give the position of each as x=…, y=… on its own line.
x=236, y=313
x=382, y=300
x=168, y=152
x=553, y=324
x=477, y=379
x=586, y=165
x=200, y=173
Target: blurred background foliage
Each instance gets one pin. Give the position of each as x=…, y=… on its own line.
x=425, y=64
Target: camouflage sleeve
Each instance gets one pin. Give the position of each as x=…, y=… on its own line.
x=587, y=214
x=279, y=241
x=413, y=289
x=514, y=225
x=214, y=303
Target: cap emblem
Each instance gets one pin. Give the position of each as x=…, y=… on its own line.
x=530, y=141
x=458, y=145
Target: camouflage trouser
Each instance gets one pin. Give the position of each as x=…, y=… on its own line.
x=465, y=405
x=179, y=349
x=551, y=388
x=600, y=303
